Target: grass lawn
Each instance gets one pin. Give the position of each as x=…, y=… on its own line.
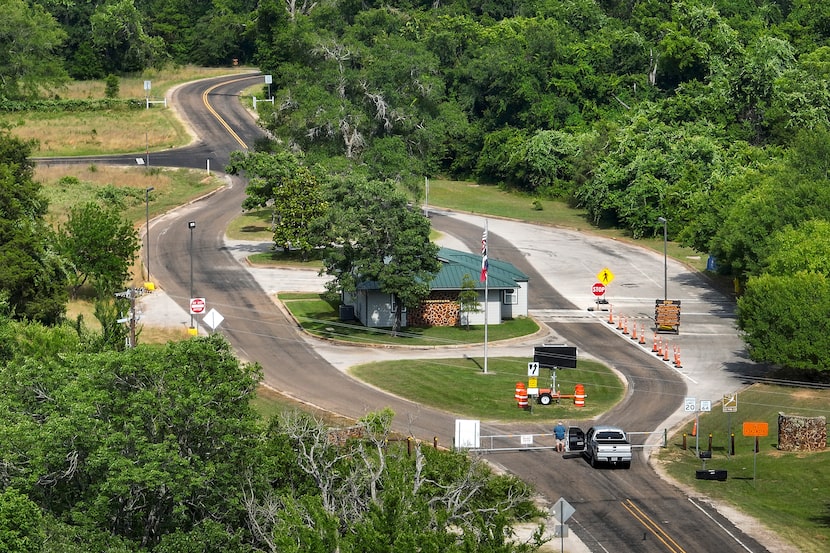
x=436, y=382
x=321, y=318
x=789, y=490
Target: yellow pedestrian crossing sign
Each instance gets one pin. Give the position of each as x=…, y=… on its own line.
x=605, y=276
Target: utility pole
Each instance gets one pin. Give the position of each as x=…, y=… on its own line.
x=130, y=294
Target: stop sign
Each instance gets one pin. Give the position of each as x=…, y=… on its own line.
x=197, y=306
x=598, y=289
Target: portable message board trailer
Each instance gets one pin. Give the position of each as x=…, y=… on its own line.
x=555, y=356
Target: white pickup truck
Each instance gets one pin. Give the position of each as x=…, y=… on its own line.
x=607, y=444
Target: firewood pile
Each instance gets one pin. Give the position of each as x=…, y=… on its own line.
x=797, y=433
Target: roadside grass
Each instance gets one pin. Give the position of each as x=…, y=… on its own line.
x=459, y=385
x=112, y=131
x=788, y=491
x=322, y=319
x=70, y=185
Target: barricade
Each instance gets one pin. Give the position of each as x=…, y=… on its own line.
x=521, y=395
x=579, y=395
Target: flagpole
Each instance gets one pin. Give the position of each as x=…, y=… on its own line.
x=486, y=276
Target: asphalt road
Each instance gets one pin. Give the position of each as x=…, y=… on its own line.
x=616, y=510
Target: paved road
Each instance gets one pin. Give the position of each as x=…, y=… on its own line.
x=613, y=507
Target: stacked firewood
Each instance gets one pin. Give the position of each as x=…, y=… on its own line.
x=797, y=433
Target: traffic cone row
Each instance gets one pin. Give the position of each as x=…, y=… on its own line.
x=658, y=347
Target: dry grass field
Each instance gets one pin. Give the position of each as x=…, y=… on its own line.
x=116, y=130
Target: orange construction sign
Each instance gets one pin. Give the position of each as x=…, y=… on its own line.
x=756, y=429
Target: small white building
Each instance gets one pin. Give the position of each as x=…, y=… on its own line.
x=507, y=291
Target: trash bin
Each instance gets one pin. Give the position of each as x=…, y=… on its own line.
x=711, y=474
x=347, y=312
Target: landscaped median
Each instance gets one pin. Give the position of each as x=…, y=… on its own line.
x=458, y=383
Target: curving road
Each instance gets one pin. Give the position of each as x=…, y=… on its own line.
x=616, y=510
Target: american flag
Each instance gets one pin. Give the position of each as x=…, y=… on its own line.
x=484, y=262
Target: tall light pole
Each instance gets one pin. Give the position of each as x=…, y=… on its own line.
x=191, y=225
x=665, y=260
x=147, y=233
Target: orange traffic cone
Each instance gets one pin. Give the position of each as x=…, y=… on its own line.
x=620, y=322
x=610, y=314
x=666, y=352
x=634, y=332
x=625, y=326
x=694, y=429
x=677, y=357
x=654, y=348
x=642, y=335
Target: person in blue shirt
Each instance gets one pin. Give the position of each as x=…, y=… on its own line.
x=559, y=433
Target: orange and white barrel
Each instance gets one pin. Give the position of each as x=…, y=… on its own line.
x=521, y=395
x=579, y=395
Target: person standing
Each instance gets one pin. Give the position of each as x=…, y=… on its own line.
x=559, y=432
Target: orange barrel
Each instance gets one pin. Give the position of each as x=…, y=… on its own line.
x=579, y=396
x=521, y=395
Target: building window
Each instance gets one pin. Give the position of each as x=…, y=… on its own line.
x=510, y=297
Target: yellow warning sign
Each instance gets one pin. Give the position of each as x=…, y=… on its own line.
x=605, y=276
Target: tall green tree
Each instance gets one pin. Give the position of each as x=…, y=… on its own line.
x=293, y=193
x=99, y=245
x=372, y=234
x=32, y=274
x=29, y=40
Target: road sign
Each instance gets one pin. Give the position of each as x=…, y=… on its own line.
x=598, y=289
x=690, y=405
x=705, y=405
x=756, y=429
x=213, y=319
x=533, y=368
x=730, y=403
x=605, y=276
x=197, y=306
x=562, y=511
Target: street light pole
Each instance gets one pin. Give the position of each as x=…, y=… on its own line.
x=665, y=259
x=147, y=233
x=191, y=225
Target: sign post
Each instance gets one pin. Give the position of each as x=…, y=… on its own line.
x=755, y=429
x=562, y=511
x=730, y=405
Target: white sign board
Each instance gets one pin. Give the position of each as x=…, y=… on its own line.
x=213, y=319
x=533, y=369
x=690, y=405
x=146, y=85
x=467, y=434
x=268, y=79
x=526, y=439
x=705, y=405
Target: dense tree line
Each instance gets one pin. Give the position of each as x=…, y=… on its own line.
x=157, y=448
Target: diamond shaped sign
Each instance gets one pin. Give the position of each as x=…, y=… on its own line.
x=562, y=511
x=213, y=319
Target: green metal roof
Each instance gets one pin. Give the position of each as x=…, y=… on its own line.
x=455, y=264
